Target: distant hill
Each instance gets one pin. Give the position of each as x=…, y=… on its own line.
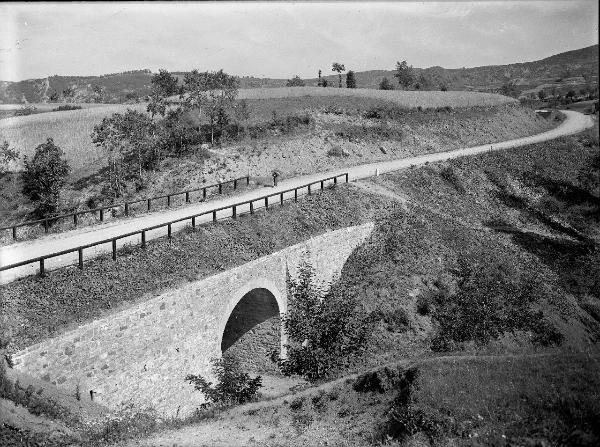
x=572, y=69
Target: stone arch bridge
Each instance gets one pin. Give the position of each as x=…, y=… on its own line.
x=143, y=352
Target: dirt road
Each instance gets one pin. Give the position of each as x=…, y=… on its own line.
x=575, y=122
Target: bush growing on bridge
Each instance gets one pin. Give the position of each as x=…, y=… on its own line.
x=233, y=386
x=325, y=327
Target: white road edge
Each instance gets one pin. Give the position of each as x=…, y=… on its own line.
x=11, y=254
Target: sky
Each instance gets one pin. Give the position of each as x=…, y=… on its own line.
x=282, y=39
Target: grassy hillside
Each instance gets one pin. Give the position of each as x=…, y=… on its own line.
x=455, y=243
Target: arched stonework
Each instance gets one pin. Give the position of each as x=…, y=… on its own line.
x=247, y=288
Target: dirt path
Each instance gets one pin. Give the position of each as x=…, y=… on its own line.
x=11, y=254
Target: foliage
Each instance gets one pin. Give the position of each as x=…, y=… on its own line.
x=164, y=84
x=127, y=422
x=385, y=84
x=509, y=89
x=178, y=132
x=44, y=175
x=208, y=93
x=404, y=74
x=350, y=79
x=66, y=107
x=130, y=140
x=339, y=68
x=494, y=297
x=295, y=82
x=233, y=386
x=325, y=327
x=7, y=156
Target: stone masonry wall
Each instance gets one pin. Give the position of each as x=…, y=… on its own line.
x=143, y=353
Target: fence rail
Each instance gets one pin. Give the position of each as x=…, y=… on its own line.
x=142, y=232
x=126, y=206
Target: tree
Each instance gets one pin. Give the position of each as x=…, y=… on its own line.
x=130, y=141
x=350, y=80
x=423, y=82
x=69, y=94
x=509, y=89
x=7, y=156
x=44, y=175
x=295, y=82
x=208, y=92
x=325, y=326
x=164, y=84
x=98, y=93
x=339, y=68
x=571, y=94
x=404, y=74
x=319, y=83
x=385, y=84
x=324, y=83
x=443, y=87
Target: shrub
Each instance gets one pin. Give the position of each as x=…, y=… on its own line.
x=44, y=175
x=66, y=107
x=450, y=176
x=494, y=297
x=7, y=156
x=325, y=327
x=24, y=111
x=296, y=81
x=126, y=423
x=233, y=386
x=385, y=84
x=337, y=151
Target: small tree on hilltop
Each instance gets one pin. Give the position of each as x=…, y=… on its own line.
x=385, y=84
x=339, y=68
x=404, y=74
x=164, y=84
x=350, y=80
x=295, y=82
x=44, y=175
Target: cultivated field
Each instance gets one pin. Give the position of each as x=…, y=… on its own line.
x=413, y=99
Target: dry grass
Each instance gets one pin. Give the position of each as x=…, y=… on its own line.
x=70, y=129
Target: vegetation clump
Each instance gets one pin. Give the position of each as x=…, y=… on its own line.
x=233, y=386
x=44, y=176
x=325, y=327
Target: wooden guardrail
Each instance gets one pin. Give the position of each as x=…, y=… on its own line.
x=126, y=206
x=142, y=232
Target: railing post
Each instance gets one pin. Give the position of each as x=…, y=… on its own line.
x=126, y=209
x=266, y=203
x=322, y=184
x=75, y=219
x=214, y=216
x=148, y=204
x=346, y=177
x=296, y=195
x=168, y=201
x=204, y=193
x=194, y=222
x=101, y=215
x=114, y=249
x=234, y=212
x=251, y=207
x=247, y=180
x=80, y=252
x=220, y=188
x=143, y=239
x=169, y=231
x=14, y=231
x=335, y=180
x=42, y=270
x=309, y=190
x=187, y=197
x=281, y=198
x=235, y=184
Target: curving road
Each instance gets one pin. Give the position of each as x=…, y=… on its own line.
x=575, y=122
